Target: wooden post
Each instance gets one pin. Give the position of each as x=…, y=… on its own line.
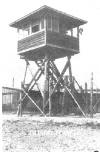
x=53, y=79
x=96, y=99
x=27, y=63
x=72, y=32
x=70, y=75
x=49, y=95
x=86, y=98
x=78, y=32
x=91, y=97
x=45, y=82
x=96, y=94
x=19, y=112
x=13, y=82
x=64, y=94
x=21, y=104
x=59, y=78
x=63, y=102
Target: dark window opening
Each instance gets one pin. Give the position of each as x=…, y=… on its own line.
x=35, y=28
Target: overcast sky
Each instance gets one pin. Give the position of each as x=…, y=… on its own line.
x=82, y=64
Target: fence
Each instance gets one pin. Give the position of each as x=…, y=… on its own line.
x=10, y=97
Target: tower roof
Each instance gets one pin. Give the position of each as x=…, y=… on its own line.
x=48, y=10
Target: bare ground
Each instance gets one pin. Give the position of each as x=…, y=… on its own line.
x=50, y=134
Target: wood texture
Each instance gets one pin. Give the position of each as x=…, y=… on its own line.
x=62, y=40
x=32, y=41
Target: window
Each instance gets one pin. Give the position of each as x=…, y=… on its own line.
x=29, y=29
x=35, y=28
x=75, y=32
x=24, y=32
x=20, y=34
x=68, y=32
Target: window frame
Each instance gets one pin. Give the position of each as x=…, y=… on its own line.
x=33, y=25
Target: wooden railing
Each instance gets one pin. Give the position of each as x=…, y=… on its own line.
x=57, y=39
x=62, y=40
x=34, y=40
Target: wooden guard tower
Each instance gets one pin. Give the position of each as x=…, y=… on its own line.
x=44, y=36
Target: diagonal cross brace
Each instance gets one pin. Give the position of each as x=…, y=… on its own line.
x=81, y=89
x=34, y=77
x=39, y=89
x=66, y=88
x=96, y=103
x=33, y=102
x=26, y=95
x=56, y=71
x=59, y=79
x=50, y=73
x=38, y=64
x=36, y=80
x=25, y=71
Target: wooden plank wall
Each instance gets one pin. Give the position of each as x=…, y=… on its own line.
x=34, y=40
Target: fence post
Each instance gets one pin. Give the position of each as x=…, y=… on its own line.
x=86, y=98
x=91, y=97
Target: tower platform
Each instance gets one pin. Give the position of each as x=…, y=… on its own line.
x=48, y=31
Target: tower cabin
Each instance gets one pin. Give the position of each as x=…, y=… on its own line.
x=47, y=31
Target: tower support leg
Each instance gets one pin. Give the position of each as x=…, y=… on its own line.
x=50, y=88
x=59, y=79
x=45, y=91
x=70, y=75
x=64, y=95
x=25, y=71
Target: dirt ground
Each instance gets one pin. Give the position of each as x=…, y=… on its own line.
x=50, y=134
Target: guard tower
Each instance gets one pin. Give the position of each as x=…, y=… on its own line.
x=44, y=36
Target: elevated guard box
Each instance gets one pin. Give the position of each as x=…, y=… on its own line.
x=47, y=31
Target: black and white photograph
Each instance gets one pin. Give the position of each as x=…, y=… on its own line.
x=50, y=75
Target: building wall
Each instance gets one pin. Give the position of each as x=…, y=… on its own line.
x=10, y=99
